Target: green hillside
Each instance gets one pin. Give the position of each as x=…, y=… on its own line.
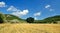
x=11, y=18
x=56, y=18
x=53, y=19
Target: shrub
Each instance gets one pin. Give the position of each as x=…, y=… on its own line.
x=55, y=22
x=1, y=20
x=30, y=20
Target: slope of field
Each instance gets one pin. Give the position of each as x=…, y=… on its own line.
x=29, y=28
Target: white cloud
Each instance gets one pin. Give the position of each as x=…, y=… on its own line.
x=2, y=4
x=12, y=8
x=17, y=12
x=21, y=13
x=24, y=12
x=37, y=14
x=47, y=6
x=35, y=18
x=51, y=9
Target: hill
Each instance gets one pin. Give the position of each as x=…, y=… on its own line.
x=55, y=18
x=11, y=18
x=52, y=19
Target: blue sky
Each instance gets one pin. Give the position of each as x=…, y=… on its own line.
x=39, y=9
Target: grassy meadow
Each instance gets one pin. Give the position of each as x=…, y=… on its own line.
x=29, y=28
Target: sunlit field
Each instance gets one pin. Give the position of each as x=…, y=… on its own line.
x=29, y=28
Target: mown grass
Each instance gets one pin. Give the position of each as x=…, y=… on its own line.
x=29, y=28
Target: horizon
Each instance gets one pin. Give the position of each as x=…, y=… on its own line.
x=38, y=9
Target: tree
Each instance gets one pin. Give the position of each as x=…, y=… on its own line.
x=1, y=20
x=30, y=20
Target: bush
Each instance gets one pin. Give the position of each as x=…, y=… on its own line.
x=1, y=20
x=30, y=20
x=55, y=22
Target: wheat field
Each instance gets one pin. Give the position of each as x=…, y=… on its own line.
x=29, y=28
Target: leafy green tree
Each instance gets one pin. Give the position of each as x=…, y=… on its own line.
x=1, y=20
x=30, y=20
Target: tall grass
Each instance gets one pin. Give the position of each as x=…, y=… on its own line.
x=29, y=28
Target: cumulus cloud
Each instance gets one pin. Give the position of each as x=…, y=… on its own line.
x=24, y=12
x=12, y=8
x=2, y=4
x=37, y=14
x=47, y=6
x=17, y=12
x=21, y=13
